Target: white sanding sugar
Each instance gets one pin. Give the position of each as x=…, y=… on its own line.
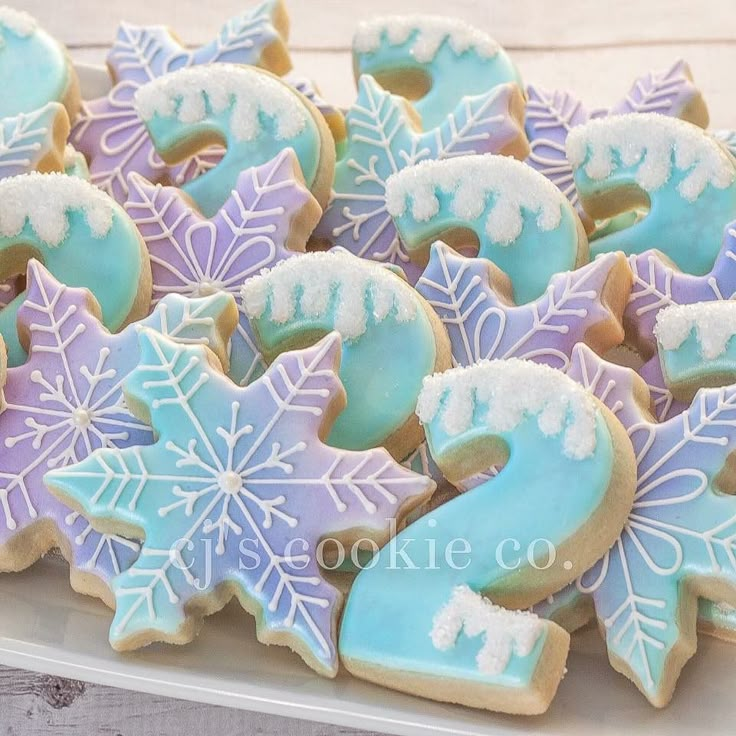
x=714, y=324
x=431, y=31
x=19, y=23
x=471, y=180
x=504, y=632
x=656, y=144
x=511, y=390
x=192, y=93
x=44, y=200
x=314, y=281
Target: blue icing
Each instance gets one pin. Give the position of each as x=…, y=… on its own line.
x=529, y=262
x=109, y=266
x=382, y=370
x=213, y=188
x=389, y=614
x=33, y=71
x=452, y=76
x=689, y=233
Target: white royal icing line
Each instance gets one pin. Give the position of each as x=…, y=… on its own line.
x=315, y=281
x=470, y=180
x=510, y=390
x=431, y=32
x=714, y=324
x=504, y=632
x=44, y=200
x=657, y=144
x=188, y=92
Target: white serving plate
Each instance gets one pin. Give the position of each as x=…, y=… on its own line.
x=45, y=626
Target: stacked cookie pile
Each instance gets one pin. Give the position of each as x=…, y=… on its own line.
x=475, y=351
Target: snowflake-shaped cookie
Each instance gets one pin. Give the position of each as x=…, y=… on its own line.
x=659, y=284
x=33, y=141
x=65, y=402
x=268, y=216
x=109, y=131
x=382, y=138
x=470, y=296
x=235, y=495
x=680, y=539
x=551, y=116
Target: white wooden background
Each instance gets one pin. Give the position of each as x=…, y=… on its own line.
x=594, y=47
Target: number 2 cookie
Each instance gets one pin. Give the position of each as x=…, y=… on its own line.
x=413, y=619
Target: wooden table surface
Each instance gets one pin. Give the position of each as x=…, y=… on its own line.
x=594, y=47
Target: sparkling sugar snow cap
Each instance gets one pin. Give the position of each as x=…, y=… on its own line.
x=714, y=324
x=44, y=200
x=511, y=390
x=310, y=282
x=470, y=179
x=186, y=92
x=658, y=144
x=431, y=32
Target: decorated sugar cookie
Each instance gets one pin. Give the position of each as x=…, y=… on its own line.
x=432, y=60
x=681, y=174
x=678, y=541
x=551, y=115
x=35, y=68
x=34, y=141
x=519, y=220
x=391, y=340
x=696, y=347
x=112, y=136
x=65, y=402
x=82, y=236
x=383, y=138
x=268, y=215
x=238, y=490
x=472, y=298
x=559, y=444
x=254, y=112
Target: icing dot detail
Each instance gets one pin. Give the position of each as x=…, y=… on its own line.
x=44, y=202
x=314, y=282
x=714, y=324
x=657, y=145
x=18, y=22
x=504, y=632
x=508, y=391
x=189, y=93
x=470, y=181
x=82, y=418
x=230, y=482
x=427, y=33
